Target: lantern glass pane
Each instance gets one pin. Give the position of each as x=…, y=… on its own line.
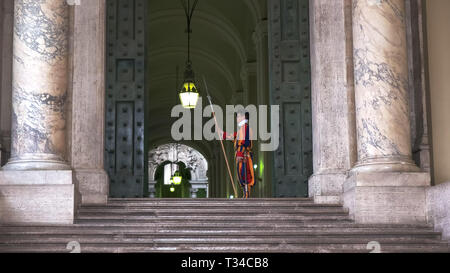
x=189, y=99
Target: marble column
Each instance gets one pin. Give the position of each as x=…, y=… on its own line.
x=333, y=99
x=385, y=186
x=381, y=83
x=40, y=84
x=36, y=186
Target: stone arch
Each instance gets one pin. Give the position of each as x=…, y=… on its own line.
x=174, y=152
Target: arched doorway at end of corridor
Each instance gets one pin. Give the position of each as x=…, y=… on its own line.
x=191, y=165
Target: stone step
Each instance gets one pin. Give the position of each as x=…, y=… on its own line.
x=218, y=225
x=252, y=205
x=215, y=202
x=231, y=218
x=225, y=248
x=215, y=211
x=222, y=233
x=253, y=224
x=223, y=224
x=213, y=239
x=210, y=200
x=265, y=231
x=222, y=249
x=194, y=208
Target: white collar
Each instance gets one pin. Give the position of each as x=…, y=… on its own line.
x=243, y=122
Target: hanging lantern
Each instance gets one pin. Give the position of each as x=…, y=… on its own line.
x=172, y=188
x=177, y=178
x=189, y=94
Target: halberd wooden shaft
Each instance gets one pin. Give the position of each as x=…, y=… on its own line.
x=226, y=158
x=221, y=139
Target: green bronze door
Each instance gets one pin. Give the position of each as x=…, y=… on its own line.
x=125, y=157
x=290, y=88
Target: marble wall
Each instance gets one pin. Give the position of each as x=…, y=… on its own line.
x=334, y=135
x=436, y=45
x=87, y=101
x=438, y=205
x=438, y=41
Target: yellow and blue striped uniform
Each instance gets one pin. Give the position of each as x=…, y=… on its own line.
x=243, y=145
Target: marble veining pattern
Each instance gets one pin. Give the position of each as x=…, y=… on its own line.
x=39, y=113
x=381, y=88
x=40, y=29
x=40, y=79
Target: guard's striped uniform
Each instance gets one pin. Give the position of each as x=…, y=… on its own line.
x=243, y=145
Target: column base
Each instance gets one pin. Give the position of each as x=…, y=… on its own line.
x=93, y=185
x=35, y=162
x=327, y=188
x=386, y=164
x=387, y=197
x=42, y=197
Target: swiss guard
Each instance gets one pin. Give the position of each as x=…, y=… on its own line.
x=243, y=145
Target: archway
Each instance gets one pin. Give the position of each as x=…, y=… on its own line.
x=189, y=159
x=238, y=48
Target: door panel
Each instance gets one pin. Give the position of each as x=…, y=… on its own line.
x=125, y=96
x=290, y=87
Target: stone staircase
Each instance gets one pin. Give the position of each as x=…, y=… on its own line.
x=218, y=225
